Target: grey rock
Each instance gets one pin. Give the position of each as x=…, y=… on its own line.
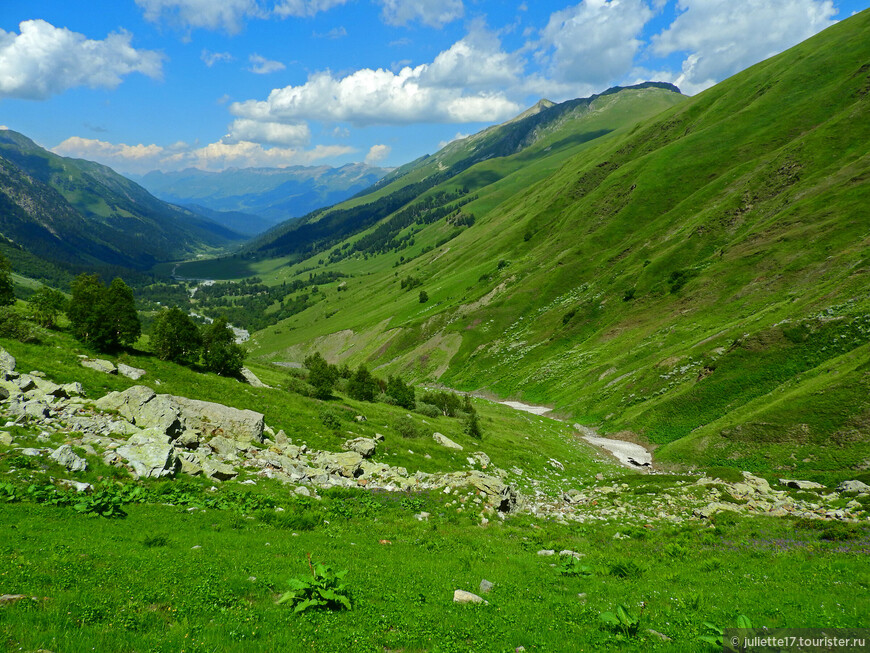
x=213, y=419
x=65, y=456
x=461, y=596
x=658, y=635
x=365, y=447
x=149, y=458
x=801, y=485
x=130, y=372
x=854, y=486
x=219, y=471
x=191, y=463
x=73, y=389
x=143, y=407
x=573, y=554
x=100, y=365
x=5, y=439
x=78, y=486
x=252, y=379
x=225, y=447
x=4, y=393
x=546, y=552
x=481, y=458
x=113, y=459
x=485, y=586
x=35, y=409
x=711, y=509
x=303, y=491
x=444, y=441
x=281, y=438
x=30, y=451
x=188, y=439
x=7, y=361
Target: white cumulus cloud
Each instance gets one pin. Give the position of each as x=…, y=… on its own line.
x=43, y=60
x=377, y=153
x=305, y=7
x=469, y=82
x=722, y=37
x=214, y=156
x=594, y=42
x=262, y=66
x=211, y=58
x=209, y=14
x=434, y=13
x=273, y=133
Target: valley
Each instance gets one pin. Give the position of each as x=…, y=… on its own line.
x=596, y=377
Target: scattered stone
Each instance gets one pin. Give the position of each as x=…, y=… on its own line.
x=573, y=554
x=801, y=485
x=365, y=447
x=195, y=547
x=100, y=365
x=480, y=458
x=599, y=476
x=281, y=438
x=65, y=456
x=485, y=586
x=854, y=486
x=6, y=599
x=546, y=552
x=582, y=597
x=444, y=441
x=134, y=373
x=711, y=509
x=422, y=516
x=218, y=471
x=30, y=451
x=461, y=596
x=75, y=485
x=302, y=491
x=5, y=439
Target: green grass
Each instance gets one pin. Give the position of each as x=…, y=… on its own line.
x=139, y=584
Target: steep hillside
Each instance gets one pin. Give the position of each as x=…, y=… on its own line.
x=533, y=144
x=82, y=213
x=699, y=282
x=273, y=194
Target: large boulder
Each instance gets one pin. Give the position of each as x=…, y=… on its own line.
x=100, y=365
x=854, y=486
x=211, y=419
x=65, y=456
x=146, y=409
x=130, y=372
x=365, y=447
x=149, y=456
x=7, y=361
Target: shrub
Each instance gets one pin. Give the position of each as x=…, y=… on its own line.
x=323, y=590
x=401, y=392
x=424, y=297
x=220, y=353
x=175, y=337
x=330, y=419
x=429, y=410
x=362, y=386
x=408, y=428
x=14, y=326
x=321, y=375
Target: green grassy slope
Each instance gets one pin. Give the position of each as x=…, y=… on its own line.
x=700, y=281
x=82, y=213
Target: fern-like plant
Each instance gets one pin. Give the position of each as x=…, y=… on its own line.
x=716, y=636
x=623, y=622
x=570, y=566
x=323, y=590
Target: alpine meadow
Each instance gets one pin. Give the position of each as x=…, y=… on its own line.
x=594, y=377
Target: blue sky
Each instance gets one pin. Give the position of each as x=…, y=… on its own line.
x=170, y=84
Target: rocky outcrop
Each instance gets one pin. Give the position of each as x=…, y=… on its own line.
x=100, y=365
x=365, y=447
x=198, y=420
x=64, y=455
x=134, y=373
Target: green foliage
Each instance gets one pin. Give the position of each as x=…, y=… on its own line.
x=362, y=386
x=408, y=428
x=409, y=283
x=102, y=503
x=429, y=410
x=447, y=402
x=402, y=392
x=45, y=305
x=424, y=297
x=324, y=589
x=330, y=419
x=104, y=318
x=628, y=295
x=220, y=353
x=715, y=634
x=176, y=337
x=622, y=621
x=7, y=288
x=9, y=493
x=321, y=375
x=13, y=325
x=571, y=566
x=625, y=569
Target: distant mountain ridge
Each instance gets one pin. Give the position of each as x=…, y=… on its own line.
x=513, y=138
x=82, y=213
x=272, y=194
